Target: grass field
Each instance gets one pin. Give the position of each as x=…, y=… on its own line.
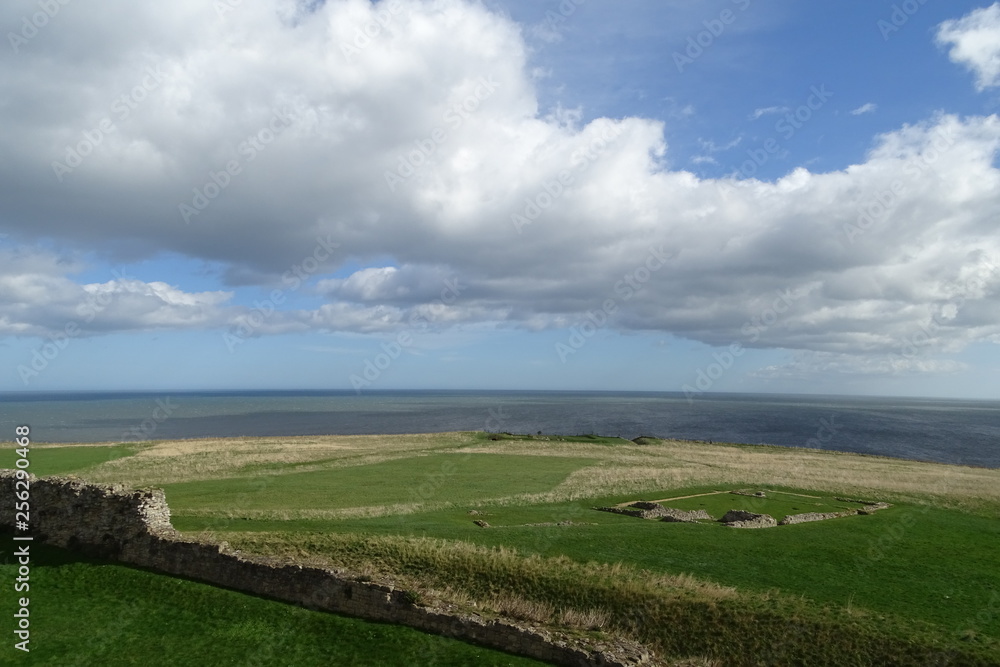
x=470, y=479
x=942, y=565
x=87, y=612
x=922, y=577
x=60, y=460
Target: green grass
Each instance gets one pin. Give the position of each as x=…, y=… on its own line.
x=455, y=478
x=87, y=612
x=678, y=615
x=933, y=572
x=61, y=460
x=939, y=566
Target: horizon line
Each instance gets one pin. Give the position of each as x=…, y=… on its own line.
x=304, y=390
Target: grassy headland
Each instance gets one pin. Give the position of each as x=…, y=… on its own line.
x=921, y=579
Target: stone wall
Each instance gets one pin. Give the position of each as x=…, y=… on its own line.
x=134, y=527
x=745, y=519
x=793, y=519
x=644, y=509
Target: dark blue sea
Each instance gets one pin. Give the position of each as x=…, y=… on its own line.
x=962, y=432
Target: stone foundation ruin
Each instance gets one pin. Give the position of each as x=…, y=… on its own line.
x=647, y=510
x=644, y=509
x=744, y=519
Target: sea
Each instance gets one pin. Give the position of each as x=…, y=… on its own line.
x=961, y=432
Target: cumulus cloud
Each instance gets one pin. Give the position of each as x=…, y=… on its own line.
x=415, y=135
x=38, y=298
x=388, y=284
x=974, y=42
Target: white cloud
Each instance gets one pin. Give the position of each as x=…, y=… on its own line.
x=975, y=43
x=444, y=98
x=712, y=147
x=766, y=111
x=38, y=298
x=405, y=285
x=864, y=108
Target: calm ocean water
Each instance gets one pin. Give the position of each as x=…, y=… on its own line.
x=949, y=431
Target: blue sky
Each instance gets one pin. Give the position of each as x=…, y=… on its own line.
x=726, y=195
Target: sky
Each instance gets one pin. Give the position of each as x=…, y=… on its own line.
x=650, y=195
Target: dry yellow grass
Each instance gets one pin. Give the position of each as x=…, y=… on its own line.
x=624, y=469
x=172, y=461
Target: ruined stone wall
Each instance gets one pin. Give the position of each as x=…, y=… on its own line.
x=134, y=527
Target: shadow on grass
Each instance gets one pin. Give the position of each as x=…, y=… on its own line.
x=87, y=611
